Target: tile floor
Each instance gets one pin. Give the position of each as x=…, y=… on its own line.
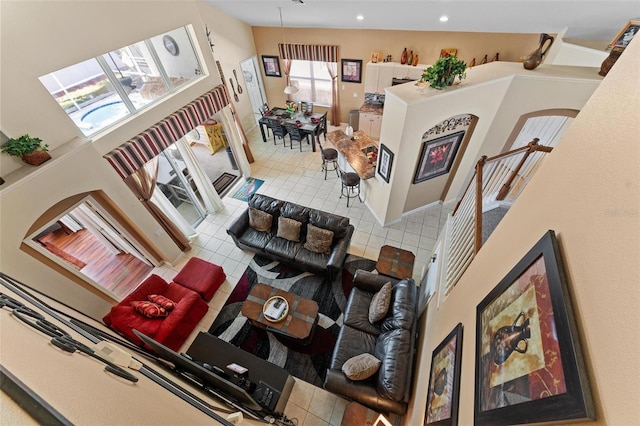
x=296, y=176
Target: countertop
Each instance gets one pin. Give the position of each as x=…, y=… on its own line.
x=372, y=107
x=352, y=151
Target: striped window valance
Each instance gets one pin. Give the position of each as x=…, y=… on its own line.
x=308, y=52
x=136, y=152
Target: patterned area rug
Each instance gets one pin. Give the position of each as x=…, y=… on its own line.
x=250, y=186
x=310, y=362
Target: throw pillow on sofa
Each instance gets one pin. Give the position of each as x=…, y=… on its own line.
x=318, y=240
x=289, y=229
x=149, y=309
x=380, y=303
x=160, y=300
x=259, y=220
x=361, y=367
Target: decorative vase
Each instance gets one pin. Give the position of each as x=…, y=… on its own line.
x=535, y=58
x=415, y=60
x=508, y=339
x=410, y=58
x=484, y=60
x=496, y=58
x=610, y=60
x=472, y=63
x=403, y=57
x=36, y=157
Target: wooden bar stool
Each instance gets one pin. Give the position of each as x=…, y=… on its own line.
x=350, y=185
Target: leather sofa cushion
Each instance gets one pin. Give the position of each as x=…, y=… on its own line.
x=295, y=212
x=393, y=348
x=337, y=224
x=351, y=342
x=283, y=248
x=256, y=239
x=356, y=313
x=402, y=308
x=308, y=258
x=265, y=204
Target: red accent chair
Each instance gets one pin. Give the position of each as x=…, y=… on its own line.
x=172, y=330
x=201, y=276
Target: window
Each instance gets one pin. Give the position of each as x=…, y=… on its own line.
x=313, y=81
x=101, y=91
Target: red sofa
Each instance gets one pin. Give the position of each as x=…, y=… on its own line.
x=171, y=330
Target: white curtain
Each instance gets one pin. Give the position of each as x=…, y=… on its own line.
x=160, y=200
x=235, y=141
x=210, y=197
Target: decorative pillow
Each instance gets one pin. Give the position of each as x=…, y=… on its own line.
x=318, y=240
x=361, y=366
x=149, y=309
x=162, y=301
x=259, y=220
x=289, y=229
x=380, y=303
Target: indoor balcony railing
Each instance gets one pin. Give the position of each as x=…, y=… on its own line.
x=497, y=181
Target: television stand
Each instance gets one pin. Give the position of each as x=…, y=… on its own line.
x=268, y=378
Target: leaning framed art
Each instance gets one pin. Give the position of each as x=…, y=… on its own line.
x=444, y=381
x=437, y=155
x=624, y=37
x=529, y=364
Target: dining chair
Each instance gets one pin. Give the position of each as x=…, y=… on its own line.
x=278, y=130
x=263, y=109
x=350, y=184
x=295, y=134
x=322, y=127
x=306, y=106
x=329, y=158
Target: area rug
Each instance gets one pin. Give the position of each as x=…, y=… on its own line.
x=309, y=362
x=223, y=183
x=250, y=186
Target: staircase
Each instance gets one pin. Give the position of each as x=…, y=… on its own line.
x=495, y=185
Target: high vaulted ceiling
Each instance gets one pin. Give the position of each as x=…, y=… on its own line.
x=583, y=19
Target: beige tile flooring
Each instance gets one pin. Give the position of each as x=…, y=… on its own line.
x=296, y=176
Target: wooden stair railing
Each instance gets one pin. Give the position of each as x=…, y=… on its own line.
x=493, y=176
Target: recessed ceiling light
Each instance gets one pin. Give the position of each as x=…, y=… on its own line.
x=444, y=18
x=359, y=17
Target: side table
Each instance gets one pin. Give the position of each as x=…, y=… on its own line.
x=395, y=262
x=358, y=415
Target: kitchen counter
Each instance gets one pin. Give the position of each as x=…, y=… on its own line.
x=372, y=107
x=354, y=151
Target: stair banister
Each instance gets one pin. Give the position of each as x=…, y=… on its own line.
x=477, y=243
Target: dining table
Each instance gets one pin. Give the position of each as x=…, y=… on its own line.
x=309, y=123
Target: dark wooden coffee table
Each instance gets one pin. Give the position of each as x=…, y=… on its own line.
x=395, y=262
x=298, y=323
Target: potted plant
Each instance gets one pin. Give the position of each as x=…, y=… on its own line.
x=30, y=149
x=444, y=71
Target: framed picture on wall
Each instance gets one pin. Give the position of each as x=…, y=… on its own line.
x=437, y=155
x=375, y=57
x=385, y=161
x=271, y=66
x=351, y=70
x=529, y=364
x=444, y=381
x=624, y=37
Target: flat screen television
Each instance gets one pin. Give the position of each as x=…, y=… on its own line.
x=208, y=379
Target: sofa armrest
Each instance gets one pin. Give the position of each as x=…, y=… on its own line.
x=371, y=282
x=239, y=225
x=363, y=392
x=339, y=251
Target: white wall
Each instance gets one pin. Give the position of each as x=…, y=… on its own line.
x=47, y=36
x=497, y=93
x=588, y=191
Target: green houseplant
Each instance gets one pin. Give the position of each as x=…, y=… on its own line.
x=30, y=149
x=444, y=71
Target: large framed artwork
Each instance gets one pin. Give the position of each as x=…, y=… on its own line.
x=529, y=364
x=624, y=37
x=444, y=381
x=385, y=161
x=351, y=70
x=271, y=66
x=437, y=156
